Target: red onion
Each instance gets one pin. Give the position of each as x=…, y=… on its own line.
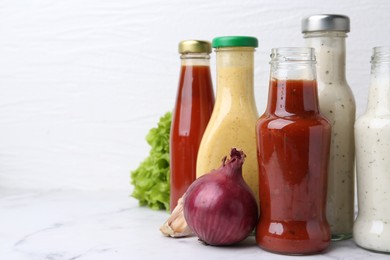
x=219, y=207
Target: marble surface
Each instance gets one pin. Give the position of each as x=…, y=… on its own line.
x=83, y=225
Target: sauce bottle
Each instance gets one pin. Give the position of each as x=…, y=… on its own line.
x=194, y=105
x=326, y=33
x=233, y=121
x=372, y=140
x=293, y=141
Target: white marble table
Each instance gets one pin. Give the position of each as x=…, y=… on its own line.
x=84, y=225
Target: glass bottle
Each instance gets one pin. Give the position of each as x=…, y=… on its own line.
x=372, y=140
x=327, y=33
x=293, y=140
x=193, y=108
x=233, y=121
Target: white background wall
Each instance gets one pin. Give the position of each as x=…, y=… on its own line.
x=82, y=81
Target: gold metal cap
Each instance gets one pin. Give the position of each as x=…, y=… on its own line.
x=194, y=46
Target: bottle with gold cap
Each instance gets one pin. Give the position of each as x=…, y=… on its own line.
x=194, y=105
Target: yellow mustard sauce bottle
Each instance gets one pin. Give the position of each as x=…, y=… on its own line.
x=233, y=121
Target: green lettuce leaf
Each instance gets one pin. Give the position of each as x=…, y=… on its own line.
x=151, y=178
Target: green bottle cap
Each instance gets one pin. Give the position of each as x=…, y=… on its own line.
x=235, y=41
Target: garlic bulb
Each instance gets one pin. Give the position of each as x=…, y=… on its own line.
x=176, y=225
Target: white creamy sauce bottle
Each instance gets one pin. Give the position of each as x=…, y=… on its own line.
x=326, y=33
x=372, y=132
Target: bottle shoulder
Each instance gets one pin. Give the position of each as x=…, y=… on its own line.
x=369, y=118
x=339, y=95
x=243, y=112
x=271, y=121
x=231, y=122
x=370, y=127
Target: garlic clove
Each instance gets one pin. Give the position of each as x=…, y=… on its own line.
x=176, y=225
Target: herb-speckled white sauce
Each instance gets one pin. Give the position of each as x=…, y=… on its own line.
x=338, y=105
x=372, y=133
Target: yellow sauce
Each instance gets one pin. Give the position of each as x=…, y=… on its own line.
x=234, y=117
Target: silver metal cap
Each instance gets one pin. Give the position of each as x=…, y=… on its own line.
x=326, y=22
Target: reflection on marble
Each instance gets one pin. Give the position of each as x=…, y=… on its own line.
x=82, y=225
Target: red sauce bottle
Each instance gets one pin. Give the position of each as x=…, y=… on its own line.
x=194, y=105
x=293, y=141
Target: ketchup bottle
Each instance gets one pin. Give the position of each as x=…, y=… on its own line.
x=293, y=141
x=194, y=105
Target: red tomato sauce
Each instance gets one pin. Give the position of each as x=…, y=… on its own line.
x=194, y=105
x=293, y=148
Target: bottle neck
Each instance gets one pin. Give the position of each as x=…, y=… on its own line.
x=235, y=76
x=330, y=56
x=293, y=85
x=195, y=59
x=292, y=97
x=379, y=94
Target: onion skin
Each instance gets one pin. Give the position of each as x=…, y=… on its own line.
x=219, y=207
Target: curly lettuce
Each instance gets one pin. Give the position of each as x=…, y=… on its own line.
x=151, y=178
